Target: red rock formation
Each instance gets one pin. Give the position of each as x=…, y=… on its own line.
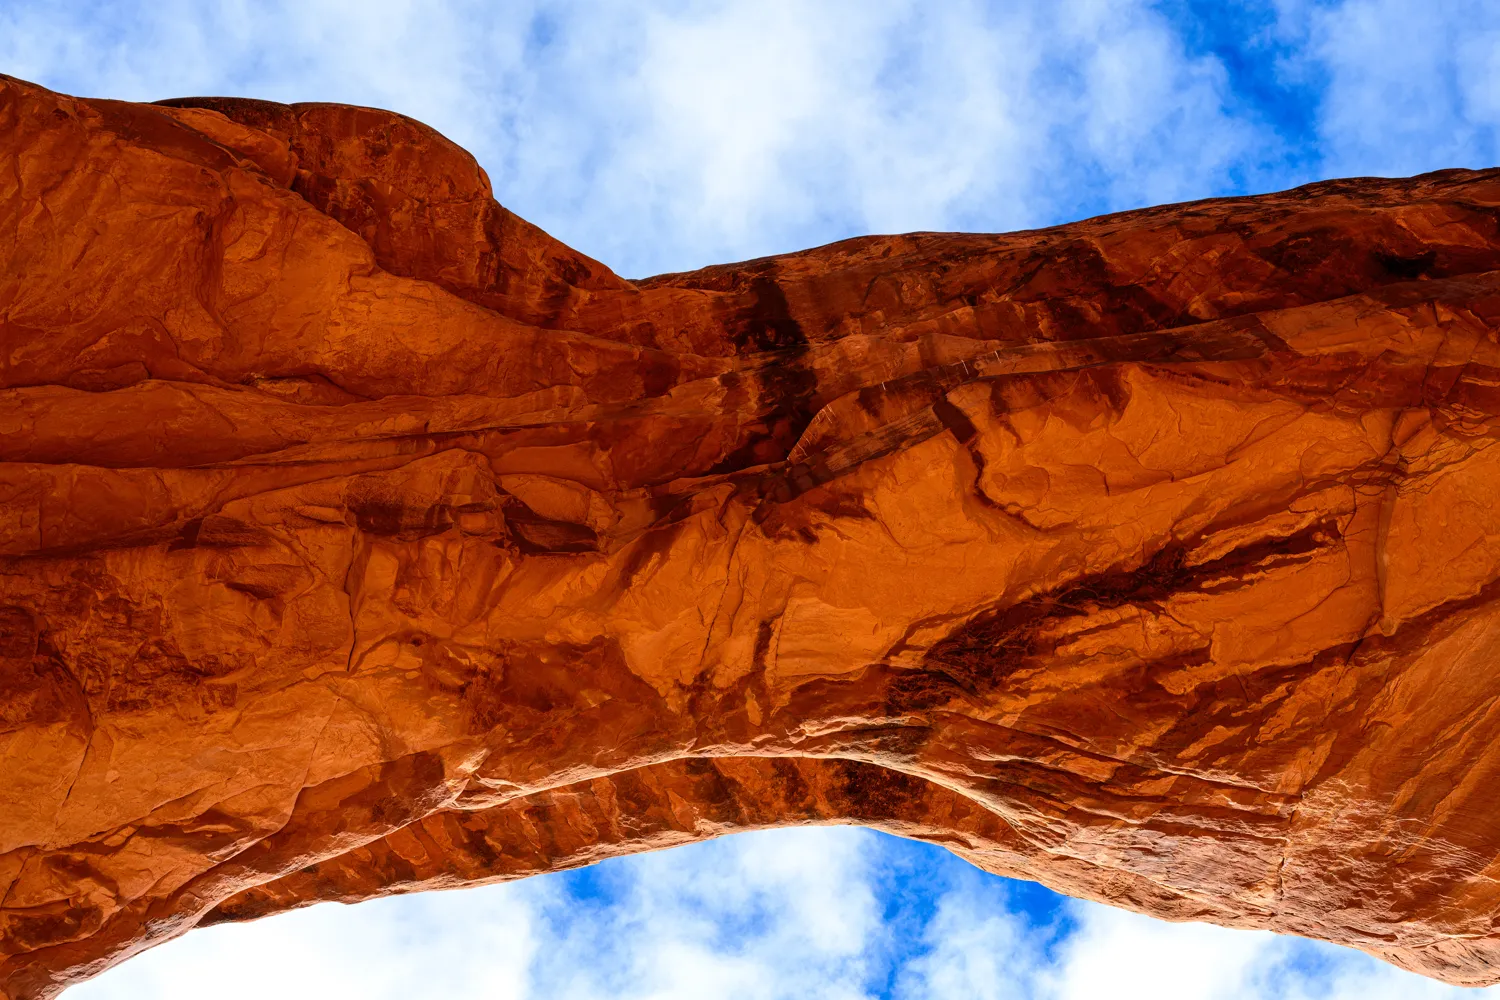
x=360, y=538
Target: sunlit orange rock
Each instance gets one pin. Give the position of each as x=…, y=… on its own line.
x=360, y=538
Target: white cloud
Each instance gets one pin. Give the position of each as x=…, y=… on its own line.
x=675, y=134
x=765, y=916
x=1119, y=954
x=475, y=943
x=975, y=952
x=757, y=917
x=1407, y=86
x=1125, y=956
x=745, y=128
x=789, y=914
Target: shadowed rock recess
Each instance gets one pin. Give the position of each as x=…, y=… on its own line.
x=356, y=538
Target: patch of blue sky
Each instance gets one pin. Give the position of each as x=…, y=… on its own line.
x=1260, y=52
x=831, y=913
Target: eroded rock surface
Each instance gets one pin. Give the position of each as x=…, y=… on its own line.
x=360, y=538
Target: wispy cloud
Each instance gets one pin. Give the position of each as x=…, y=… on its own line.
x=1404, y=87
x=789, y=915
x=471, y=944
x=972, y=950
x=669, y=135
x=793, y=914
x=765, y=916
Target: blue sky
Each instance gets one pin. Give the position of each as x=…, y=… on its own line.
x=800, y=914
x=665, y=136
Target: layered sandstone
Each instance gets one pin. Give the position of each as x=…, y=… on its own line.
x=357, y=538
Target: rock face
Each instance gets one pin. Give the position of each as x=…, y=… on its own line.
x=357, y=538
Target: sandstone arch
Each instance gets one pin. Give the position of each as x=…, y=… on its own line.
x=358, y=537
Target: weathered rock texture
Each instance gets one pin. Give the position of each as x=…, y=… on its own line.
x=360, y=538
